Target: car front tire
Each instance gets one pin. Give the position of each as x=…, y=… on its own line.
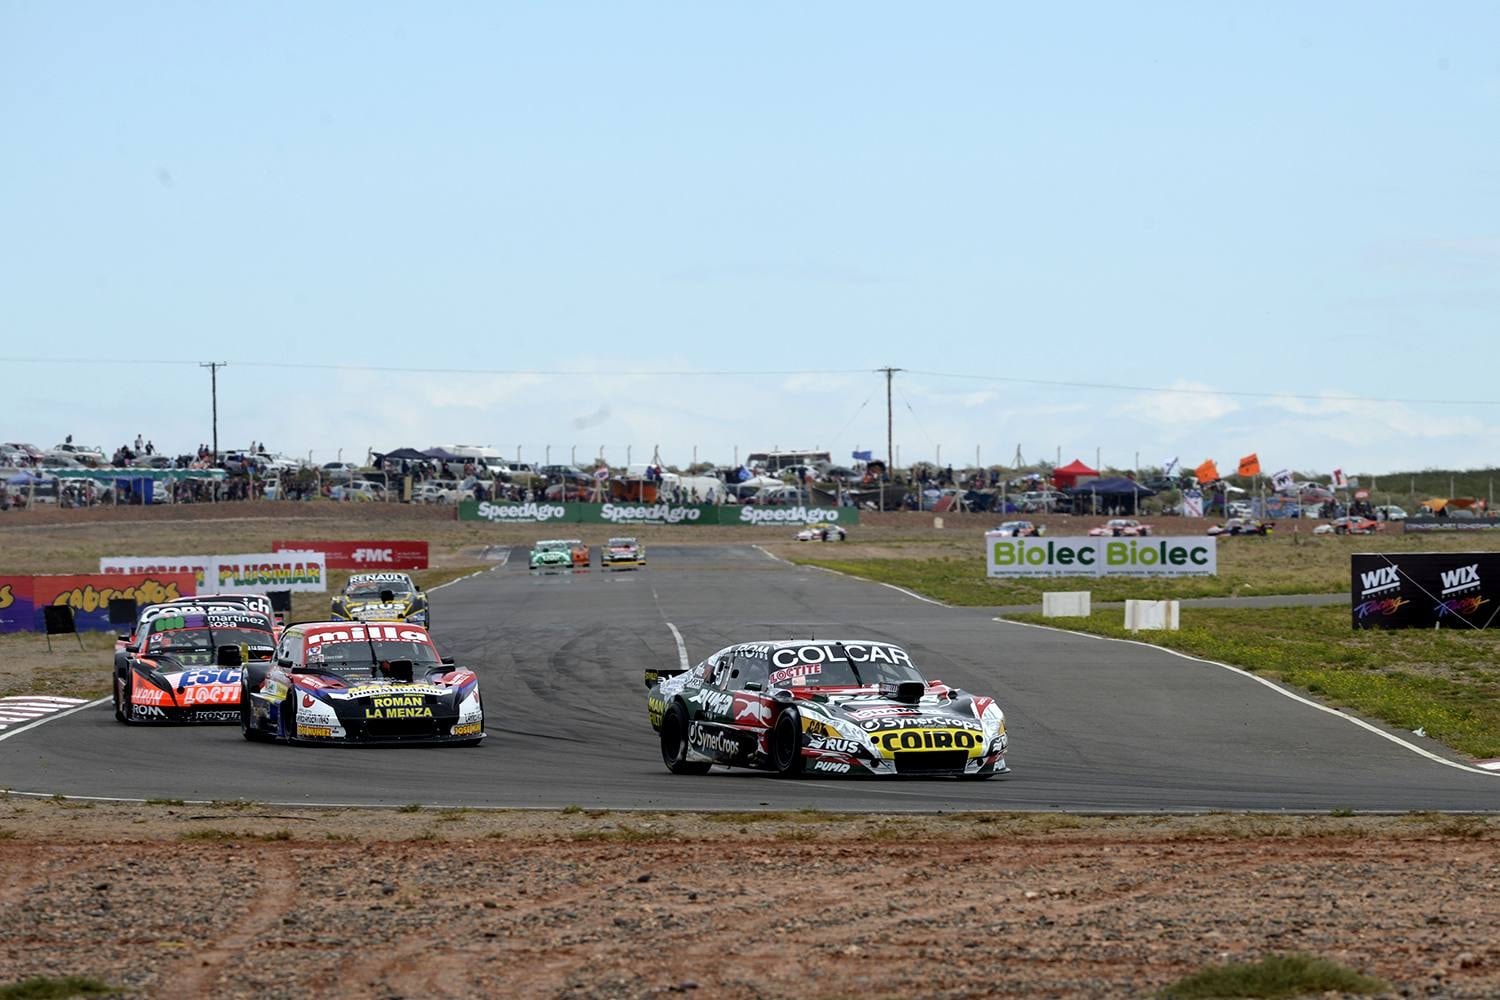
x=786, y=743
x=674, y=742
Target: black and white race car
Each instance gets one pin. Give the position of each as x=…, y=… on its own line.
x=852, y=707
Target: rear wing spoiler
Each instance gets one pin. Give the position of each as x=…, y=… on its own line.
x=655, y=675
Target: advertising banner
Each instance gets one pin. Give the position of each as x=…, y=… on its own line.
x=791, y=514
x=1181, y=555
x=628, y=514
x=363, y=555
x=1424, y=589
x=16, y=609
x=264, y=572
x=203, y=568
x=537, y=512
x=89, y=595
x=1418, y=524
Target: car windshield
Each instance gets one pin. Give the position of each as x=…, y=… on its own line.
x=370, y=590
x=201, y=644
x=840, y=664
x=358, y=657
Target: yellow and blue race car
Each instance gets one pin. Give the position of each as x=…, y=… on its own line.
x=382, y=597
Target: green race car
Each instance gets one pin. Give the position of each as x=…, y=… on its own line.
x=382, y=597
x=557, y=554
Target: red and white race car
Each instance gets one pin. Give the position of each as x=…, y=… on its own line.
x=1122, y=527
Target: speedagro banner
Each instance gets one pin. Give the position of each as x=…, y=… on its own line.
x=517, y=513
x=363, y=555
x=794, y=514
x=1425, y=589
x=648, y=513
x=1084, y=556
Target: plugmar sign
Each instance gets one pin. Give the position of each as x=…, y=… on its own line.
x=252, y=573
x=1084, y=556
x=1424, y=589
x=407, y=554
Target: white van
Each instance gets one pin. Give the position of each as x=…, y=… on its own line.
x=489, y=459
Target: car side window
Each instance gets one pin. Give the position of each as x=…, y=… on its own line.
x=751, y=670
x=722, y=671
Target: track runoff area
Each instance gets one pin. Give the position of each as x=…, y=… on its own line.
x=1095, y=725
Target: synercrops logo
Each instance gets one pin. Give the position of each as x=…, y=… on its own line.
x=1380, y=581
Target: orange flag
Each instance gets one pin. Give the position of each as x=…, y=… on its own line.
x=1250, y=465
x=1207, y=472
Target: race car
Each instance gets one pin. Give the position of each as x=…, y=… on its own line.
x=622, y=553
x=382, y=597
x=1352, y=525
x=365, y=683
x=852, y=707
x=1243, y=526
x=187, y=662
x=822, y=533
x=250, y=602
x=1019, y=529
x=559, y=554
x=1121, y=526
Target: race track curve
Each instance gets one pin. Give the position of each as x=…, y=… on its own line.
x=1095, y=725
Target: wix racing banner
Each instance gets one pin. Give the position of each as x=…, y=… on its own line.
x=1424, y=589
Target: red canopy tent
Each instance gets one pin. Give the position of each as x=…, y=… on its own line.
x=1067, y=477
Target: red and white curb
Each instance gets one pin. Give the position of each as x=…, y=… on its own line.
x=1488, y=765
x=19, y=709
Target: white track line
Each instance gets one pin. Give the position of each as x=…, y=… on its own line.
x=55, y=715
x=772, y=555
x=681, y=649
x=463, y=578
x=878, y=583
x=1274, y=687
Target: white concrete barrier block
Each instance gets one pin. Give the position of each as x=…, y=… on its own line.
x=1065, y=604
x=937, y=523
x=1162, y=615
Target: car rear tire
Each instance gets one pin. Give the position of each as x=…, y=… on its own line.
x=247, y=719
x=289, y=714
x=674, y=743
x=786, y=743
x=122, y=711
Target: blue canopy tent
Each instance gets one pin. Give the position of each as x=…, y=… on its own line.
x=1118, y=493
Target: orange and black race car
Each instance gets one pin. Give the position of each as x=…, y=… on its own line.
x=184, y=663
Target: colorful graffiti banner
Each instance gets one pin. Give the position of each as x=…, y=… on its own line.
x=22, y=598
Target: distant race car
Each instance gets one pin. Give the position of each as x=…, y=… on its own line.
x=185, y=663
x=1122, y=527
x=622, y=553
x=1020, y=529
x=382, y=597
x=250, y=602
x=1243, y=526
x=559, y=554
x=822, y=533
x=851, y=707
x=366, y=683
x=1353, y=525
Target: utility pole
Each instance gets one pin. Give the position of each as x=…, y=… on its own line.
x=213, y=376
x=890, y=451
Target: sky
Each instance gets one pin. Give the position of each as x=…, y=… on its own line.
x=1135, y=232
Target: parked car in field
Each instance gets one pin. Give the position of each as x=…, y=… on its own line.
x=1020, y=529
x=1243, y=526
x=1390, y=512
x=1122, y=527
x=1351, y=525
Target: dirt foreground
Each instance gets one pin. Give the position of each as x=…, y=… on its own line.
x=242, y=900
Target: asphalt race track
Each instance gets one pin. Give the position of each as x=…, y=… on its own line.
x=1095, y=725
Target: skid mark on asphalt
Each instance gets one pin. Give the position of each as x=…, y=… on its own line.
x=20, y=709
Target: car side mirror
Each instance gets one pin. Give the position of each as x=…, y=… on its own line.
x=283, y=661
x=752, y=685
x=123, y=637
x=447, y=661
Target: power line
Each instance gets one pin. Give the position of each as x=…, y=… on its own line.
x=752, y=373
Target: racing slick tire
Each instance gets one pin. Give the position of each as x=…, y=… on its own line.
x=121, y=713
x=247, y=728
x=289, y=715
x=786, y=743
x=674, y=743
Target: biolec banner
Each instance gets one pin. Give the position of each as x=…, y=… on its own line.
x=1424, y=589
x=22, y=598
x=363, y=555
x=1084, y=556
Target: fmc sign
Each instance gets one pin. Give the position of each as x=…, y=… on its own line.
x=405, y=554
x=1172, y=556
